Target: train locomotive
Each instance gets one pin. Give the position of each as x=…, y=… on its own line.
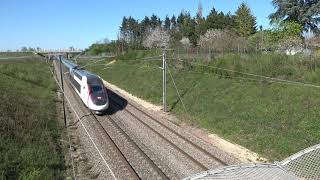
x=89, y=87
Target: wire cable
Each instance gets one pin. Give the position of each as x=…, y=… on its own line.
x=78, y=117
x=69, y=139
x=178, y=93
x=255, y=75
x=81, y=67
x=134, y=60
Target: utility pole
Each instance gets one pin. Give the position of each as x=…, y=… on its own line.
x=164, y=79
x=61, y=78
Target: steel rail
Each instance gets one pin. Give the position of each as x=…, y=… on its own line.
x=131, y=141
x=87, y=132
x=174, y=132
x=203, y=167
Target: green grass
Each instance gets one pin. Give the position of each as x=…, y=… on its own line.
x=274, y=120
x=29, y=129
x=15, y=54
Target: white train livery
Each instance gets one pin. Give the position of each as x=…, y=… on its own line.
x=88, y=86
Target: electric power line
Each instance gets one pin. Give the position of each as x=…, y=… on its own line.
x=179, y=96
x=255, y=75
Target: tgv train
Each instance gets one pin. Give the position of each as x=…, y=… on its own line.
x=88, y=86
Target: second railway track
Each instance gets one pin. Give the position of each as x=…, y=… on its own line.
x=201, y=161
x=137, y=164
x=178, y=135
x=140, y=146
x=143, y=165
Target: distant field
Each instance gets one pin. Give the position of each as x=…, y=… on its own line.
x=29, y=130
x=274, y=120
x=15, y=54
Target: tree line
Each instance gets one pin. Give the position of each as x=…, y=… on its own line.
x=133, y=31
x=290, y=20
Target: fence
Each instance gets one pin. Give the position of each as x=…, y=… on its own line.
x=303, y=165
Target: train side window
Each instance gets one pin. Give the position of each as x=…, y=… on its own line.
x=78, y=76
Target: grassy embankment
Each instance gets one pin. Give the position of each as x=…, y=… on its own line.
x=29, y=129
x=272, y=119
x=14, y=54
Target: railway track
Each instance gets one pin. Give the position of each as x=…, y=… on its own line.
x=132, y=162
x=144, y=166
x=129, y=156
x=195, y=160
x=103, y=141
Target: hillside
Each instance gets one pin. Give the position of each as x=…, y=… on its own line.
x=272, y=119
x=30, y=131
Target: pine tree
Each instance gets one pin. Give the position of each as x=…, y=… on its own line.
x=154, y=21
x=167, y=24
x=245, y=22
x=217, y=20
x=211, y=21
x=173, y=22
x=306, y=13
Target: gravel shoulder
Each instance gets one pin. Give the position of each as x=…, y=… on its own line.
x=241, y=153
x=103, y=161
x=118, y=144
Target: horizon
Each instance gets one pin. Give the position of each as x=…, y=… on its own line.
x=45, y=27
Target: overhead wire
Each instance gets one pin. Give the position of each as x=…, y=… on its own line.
x=79, y=119
x=154, y=58
x=69, y=139
x=178, y=93
x=256, y=75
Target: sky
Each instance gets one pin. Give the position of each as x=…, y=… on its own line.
x=79, y=23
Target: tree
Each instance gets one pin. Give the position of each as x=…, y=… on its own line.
x=157, y=38
x=124, y=29
x=130, y=32
x=31, y=49
x=279, y=37
x=173, y=22
x=181, y=17
x=291, y=45
x=218, y=20
x=218, y=40
x=188, y=29
x=212, y=18
x=304, y=12
x=185, y=42
x=155, y=21
x=24, y=49
x=290, y=29
x=145, y=26
x=167, y=24
x=185, y=28
x=103, y=41
x=245, y=22
x=201, y=27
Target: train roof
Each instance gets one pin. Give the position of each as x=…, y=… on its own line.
x=91, y=78
x=83, y=72
x=94, y=79
x=70, y=64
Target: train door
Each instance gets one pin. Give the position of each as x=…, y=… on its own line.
x=84, y=91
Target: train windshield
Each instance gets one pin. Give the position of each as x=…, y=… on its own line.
x=98, y=95
x=97, y=88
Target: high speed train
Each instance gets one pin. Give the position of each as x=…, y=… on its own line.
x=88, y=86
